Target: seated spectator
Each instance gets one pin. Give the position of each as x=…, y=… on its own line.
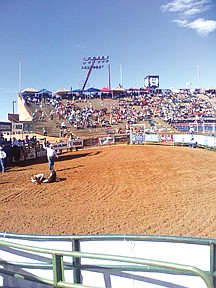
x=44, y=130
x=63, y=125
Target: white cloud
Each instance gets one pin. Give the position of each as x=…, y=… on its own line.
x=186, y=9
x=192, y=11
x=176, y=6
x=202, y=26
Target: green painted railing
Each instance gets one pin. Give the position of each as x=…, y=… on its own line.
x=59, y=269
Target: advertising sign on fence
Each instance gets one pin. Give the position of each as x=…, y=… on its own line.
x=75, y=143
x=204, y=140
x=166, y=137
x=122, y=138
x=106, y=141
x=137, y=138
x=152, y=137
x=182, y=138
x=91, y=142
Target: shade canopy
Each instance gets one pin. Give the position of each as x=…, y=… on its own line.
x=133, y=89
x=29, y=90
x=120, y=89
x=93, y=90
x=105, y=89
x=77, y=91
x=144, y=89
x=63, y=91
x=44, y=91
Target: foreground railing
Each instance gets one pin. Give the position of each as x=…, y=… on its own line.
x=58, y=267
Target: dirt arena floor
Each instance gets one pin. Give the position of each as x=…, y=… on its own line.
x=153, y=190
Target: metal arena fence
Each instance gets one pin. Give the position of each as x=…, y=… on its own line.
x=109, y=261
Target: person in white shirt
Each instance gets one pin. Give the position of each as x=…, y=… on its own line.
x=51, y=153
x=2, y=159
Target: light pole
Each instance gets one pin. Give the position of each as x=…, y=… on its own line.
x=13, y=106
x=95, y=62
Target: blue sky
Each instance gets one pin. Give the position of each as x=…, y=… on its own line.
x=49, y=38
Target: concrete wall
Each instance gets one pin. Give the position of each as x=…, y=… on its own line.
x=23, y=110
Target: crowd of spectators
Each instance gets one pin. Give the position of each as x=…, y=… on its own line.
x=176, y=107
x=17, y=149
x=170, y=107
x=131, y=109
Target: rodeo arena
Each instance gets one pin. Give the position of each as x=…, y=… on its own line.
x=71, y=122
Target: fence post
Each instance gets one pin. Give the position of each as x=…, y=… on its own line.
x=213, y=263
x=58, y=269
x=76, y=262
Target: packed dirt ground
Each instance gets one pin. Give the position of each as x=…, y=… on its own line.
x=153, y=190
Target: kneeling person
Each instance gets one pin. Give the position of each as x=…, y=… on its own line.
x=51, y=178
x=39, y=178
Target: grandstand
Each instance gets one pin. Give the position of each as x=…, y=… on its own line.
x=90, y=117
x=53, y=127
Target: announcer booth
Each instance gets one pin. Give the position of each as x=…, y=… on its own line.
x=152, y=82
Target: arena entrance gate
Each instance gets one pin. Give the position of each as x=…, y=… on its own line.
x=137, y=134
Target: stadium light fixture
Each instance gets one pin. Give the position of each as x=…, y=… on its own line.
x=95, y=62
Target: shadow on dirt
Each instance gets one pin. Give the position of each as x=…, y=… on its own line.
x=64, y=169
x=62, y=179
x=62, y=157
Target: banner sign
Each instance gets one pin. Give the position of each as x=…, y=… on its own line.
x=122, y=138
x=68, y=144
x=204, y=140
x=137, y=138
x=75, y=143
x=182, y=138
x=152, y=137
x=31, y=155
x=5, y=126
x=186, y=139
x=60, y=146
x=166, y=137
x=91, y=142
x=41, y=153
x=106, y=141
